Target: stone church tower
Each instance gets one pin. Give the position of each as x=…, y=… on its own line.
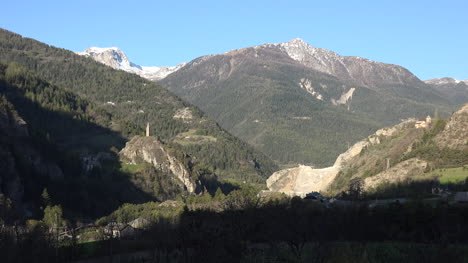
x=428, y=120
x=147, y=129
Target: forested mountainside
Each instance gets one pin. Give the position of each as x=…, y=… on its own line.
x=301, y=104
x=46, y=132
x=138, y=101
x=72, y=134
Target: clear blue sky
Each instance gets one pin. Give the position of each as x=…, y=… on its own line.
x=430, y=38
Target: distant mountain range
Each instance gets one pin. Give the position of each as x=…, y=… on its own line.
x=115, y=58
x=298, y=103
x=454, y=89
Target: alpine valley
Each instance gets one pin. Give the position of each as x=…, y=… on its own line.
x=299, y=104
x=274, y=153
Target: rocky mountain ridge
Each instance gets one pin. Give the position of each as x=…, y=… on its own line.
x=454, y=89
x=446, y=80
x=359, y=70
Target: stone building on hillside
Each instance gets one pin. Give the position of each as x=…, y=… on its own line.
x=424, y=123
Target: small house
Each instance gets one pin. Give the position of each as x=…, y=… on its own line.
x=461, y=197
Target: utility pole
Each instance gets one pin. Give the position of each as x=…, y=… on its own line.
x=57, y=237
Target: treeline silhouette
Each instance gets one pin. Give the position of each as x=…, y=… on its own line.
x=283, y=230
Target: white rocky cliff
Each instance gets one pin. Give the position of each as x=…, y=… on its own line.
x=150, y=150
x=115, y=58
x=302, y=180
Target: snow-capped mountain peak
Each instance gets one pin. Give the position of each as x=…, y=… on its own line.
x=297, y=41
x=308, y=55
x=116, y=58
x=101, y=50
x=361, y=71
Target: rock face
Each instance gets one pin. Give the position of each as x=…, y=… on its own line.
x=301, y=180
x=150, y=150
x=115, y=58
x=398, y=173
x=455, y=133
x=184, y=114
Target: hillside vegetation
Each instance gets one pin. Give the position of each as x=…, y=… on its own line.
x=411, y=157
x=47, y=132
x=135, y=100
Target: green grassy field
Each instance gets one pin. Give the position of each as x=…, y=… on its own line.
x=451, y=175
x=191, y=137
x=131, y=168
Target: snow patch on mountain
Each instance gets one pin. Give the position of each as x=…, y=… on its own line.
x=444, y=81
x=116, y=58
x=318, y=58
x=359, y=70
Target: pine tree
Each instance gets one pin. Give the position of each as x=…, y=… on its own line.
x=219, y=195
x=46, y=201
x=53, y=216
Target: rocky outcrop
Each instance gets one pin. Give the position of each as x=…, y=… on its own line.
x=150, y=150
x=303, y=179
x=455, y=133
x=345, y=97
x=184, y=114
x=398, y=173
